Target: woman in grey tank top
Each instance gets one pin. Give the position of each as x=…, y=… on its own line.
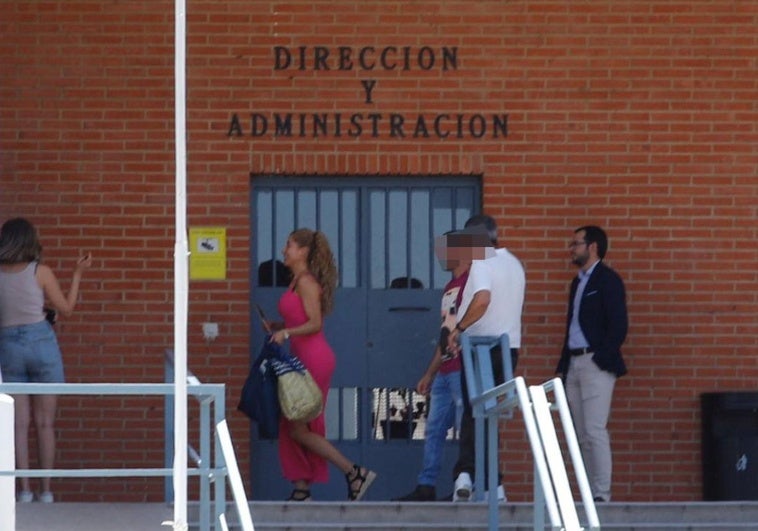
x=28, y=347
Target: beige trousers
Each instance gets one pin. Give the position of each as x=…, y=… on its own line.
x=589, y=391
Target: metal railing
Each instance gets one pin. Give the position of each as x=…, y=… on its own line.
x=168, y=424
x=209, y=396
x=544, y=418
x=490, y=402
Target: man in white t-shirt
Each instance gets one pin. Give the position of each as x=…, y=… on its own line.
x=491, y=306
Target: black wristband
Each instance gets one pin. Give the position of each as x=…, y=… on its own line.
x=459, y=327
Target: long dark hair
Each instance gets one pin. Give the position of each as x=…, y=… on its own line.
x=320, y=263
x=19, y=242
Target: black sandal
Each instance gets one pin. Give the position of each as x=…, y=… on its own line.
x=365, y=480
x=299, y=495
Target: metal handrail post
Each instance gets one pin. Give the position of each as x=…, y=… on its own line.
x=556, y=466
x=235, y=480
x=220, y=469
x=493, y=479
x=539, y=503
x=168, y=427
x=556, y=386
x=543, y=475
x=479, y=461
x=205, y=461
x=480, y=380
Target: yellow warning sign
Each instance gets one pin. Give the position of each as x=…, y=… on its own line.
x=207, y=253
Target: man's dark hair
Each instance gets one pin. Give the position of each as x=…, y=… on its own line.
x=594, y=234
x=483, y=220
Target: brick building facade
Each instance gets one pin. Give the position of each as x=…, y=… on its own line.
x=639, y=116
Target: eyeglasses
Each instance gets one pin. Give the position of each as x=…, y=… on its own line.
x=577, y=244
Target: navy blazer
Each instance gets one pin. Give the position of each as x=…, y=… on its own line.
x=603, y=319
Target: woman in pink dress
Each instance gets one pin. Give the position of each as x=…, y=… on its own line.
x=303, y=447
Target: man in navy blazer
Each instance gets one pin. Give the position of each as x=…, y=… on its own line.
x=591, y=360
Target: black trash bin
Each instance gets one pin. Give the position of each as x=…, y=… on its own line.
x=730, y=446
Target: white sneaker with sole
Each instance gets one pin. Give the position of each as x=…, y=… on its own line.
x=46, y=497
x=463, y=485
x=25, y=496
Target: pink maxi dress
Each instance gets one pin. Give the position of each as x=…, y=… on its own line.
x=318, y=357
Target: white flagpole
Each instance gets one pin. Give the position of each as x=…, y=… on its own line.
x=181, y=281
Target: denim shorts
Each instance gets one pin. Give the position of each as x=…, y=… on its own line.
x=30, y=353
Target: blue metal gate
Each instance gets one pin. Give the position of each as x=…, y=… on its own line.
x=386, y=316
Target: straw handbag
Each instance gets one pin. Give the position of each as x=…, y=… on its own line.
x=299, y=397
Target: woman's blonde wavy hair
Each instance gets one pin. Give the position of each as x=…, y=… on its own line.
x=321, y=263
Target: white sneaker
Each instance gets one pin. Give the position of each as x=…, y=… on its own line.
x=25, y=496
x=463, y=485
x=501, y=497
x=46, y=497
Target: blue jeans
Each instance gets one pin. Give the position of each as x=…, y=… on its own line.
x=30, y=353
x=445, y=409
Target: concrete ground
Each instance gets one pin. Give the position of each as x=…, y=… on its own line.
x=93, y=517
x=386, y=516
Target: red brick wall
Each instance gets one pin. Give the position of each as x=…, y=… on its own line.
x=638, y=116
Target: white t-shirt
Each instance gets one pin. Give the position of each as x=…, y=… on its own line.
x=503, y=276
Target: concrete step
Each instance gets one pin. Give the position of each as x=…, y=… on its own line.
x=370, y=516
x=385, y=516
